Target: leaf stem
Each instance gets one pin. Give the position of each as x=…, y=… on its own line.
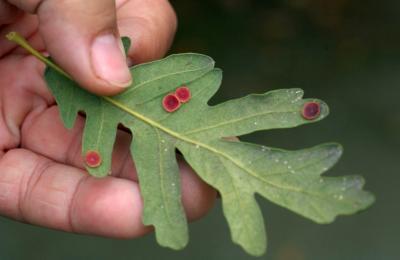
x=19, y=40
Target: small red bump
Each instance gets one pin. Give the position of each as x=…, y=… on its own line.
x=183, y=94
x=171, y=103
x=311, y=110
x=93, y=159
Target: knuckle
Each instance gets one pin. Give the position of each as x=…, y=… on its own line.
x=14, y=181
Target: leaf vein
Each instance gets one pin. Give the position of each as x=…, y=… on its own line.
x=235, y=121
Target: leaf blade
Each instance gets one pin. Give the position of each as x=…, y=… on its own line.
x=159, y=180
x=181, y=128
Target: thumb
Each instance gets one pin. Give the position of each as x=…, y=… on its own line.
x=82, y=37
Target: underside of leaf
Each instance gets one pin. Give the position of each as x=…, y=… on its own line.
x=238, y=170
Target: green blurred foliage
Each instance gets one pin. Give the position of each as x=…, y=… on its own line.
x=344, y=52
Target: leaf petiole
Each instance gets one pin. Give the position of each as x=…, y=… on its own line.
x=19, y=40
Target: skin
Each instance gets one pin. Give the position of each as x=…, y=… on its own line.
x=42, y=176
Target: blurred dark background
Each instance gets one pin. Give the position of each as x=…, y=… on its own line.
x=344, y=52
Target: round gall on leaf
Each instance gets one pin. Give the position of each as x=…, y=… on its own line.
x=183, y=94
x=93, y=159
x=311, y=110
x=171, y=103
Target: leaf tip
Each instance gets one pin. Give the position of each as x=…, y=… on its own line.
x=253, y=250
x=11, y=36
x=329, y=153
x=335, y=150
x=126, y=42
x=365, y=199
x=172, y=242
x=369, y=200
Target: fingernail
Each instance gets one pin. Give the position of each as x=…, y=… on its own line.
x=109, y=62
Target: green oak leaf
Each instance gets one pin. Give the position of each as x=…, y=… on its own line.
x=238, y=170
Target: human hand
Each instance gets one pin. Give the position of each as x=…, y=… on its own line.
x=42, y=177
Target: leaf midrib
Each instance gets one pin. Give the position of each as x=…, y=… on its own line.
x=196, y=143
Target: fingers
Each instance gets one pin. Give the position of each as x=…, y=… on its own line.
x=21, y=94
x=151, y=25
x=65, y=146
x=26, y=25
x=8, y=13
x=82, y=37
x=39, y=191
x=44, y=193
